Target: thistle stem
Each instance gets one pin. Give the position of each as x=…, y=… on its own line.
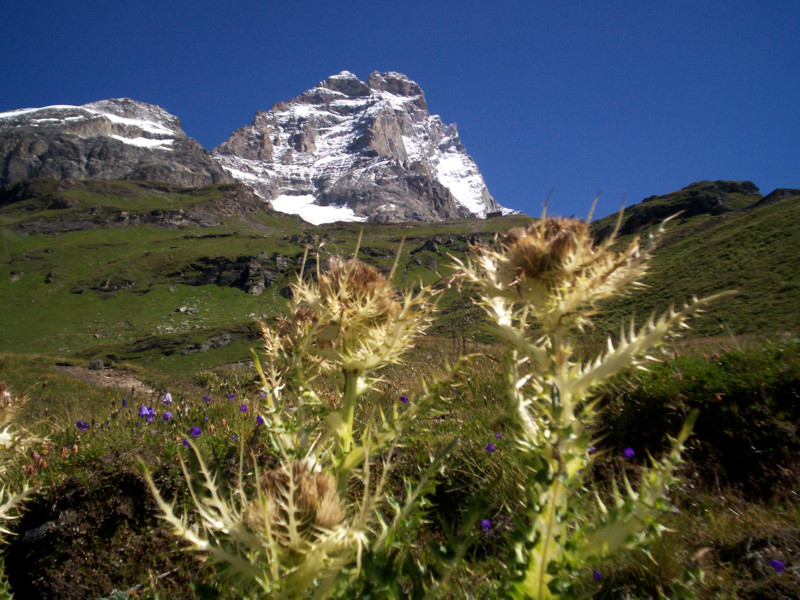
x=349, y=406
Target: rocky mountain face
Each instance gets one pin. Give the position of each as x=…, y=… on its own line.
x=109, y=139
x=358, y=150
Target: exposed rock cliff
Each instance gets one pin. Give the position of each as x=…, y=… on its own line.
x=110, y=139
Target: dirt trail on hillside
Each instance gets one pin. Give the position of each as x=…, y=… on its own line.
x=108, y=378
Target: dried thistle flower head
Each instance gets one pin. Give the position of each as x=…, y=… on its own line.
x=358, y=289
x=546, y=250
x=555, y=267
x=297, y=498
x=353, y=318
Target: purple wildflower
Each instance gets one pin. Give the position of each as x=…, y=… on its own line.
x=147, y=412
x=195, y=432
x=629, y=452
x=206, y=419
x=490, y=447
x=82, y=425
x=167, y=398
x=263, y=394
x=592, y=450
x=186, y=443
x=230, y=395
x=259, y=420
x=498, y=435
x=404, y=399
x=243, y=408
x=234, y=438
x=136, y=424
x=486, y=524
x=778, y=565
x=597, y=575
x=166, y=416
x=124, y=403
x=206, y=398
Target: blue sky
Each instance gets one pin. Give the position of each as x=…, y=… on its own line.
x=628, y=99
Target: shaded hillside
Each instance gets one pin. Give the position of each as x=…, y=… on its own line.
x=700, y=198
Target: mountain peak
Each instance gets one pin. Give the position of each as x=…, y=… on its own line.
x=346, y=83
x=361, y=150
x=394, y=83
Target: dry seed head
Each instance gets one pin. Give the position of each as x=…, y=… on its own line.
x=555, y=267
x=313, y=495
x=354, y=285
x=547, y=249
x=357, y=320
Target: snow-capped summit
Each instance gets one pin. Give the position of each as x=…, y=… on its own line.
x=357, y=150
x=111, y=139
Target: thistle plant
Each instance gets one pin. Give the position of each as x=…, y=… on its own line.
x=12, y=442
x=302, y=525
x=540, y=285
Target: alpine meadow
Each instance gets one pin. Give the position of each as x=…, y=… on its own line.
x=322, y=361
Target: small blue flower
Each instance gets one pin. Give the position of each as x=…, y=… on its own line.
x=234, y=438
x=404, y=399
x=486, y=524
x=167, y=398
x=490, y=447
x=206, y=399
x=259, y=420
x=186, y=443
x=778, y=565
x=166, y=416
x=597, y=575
x=592, y=450
x=124, y=403
x=243, y=408
x=195, y=432
x=498, y=435
x=230, y=395
x=82, y=425
x=629, y=452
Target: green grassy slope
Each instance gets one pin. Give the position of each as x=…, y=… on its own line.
x=113, y=290
x=755, y=251
x=120, y=291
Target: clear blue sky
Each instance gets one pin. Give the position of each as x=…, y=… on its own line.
x=626, y=98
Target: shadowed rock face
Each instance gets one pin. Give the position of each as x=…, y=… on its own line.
x=110, y=139
x=371, y=147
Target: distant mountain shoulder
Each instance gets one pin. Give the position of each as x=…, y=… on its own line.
x=699, y=198
x=110, y=139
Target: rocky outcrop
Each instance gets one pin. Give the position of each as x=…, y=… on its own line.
x=363, y=150
x=702, y=197
x=252, y=274
x=110, y=139
x=778, y=194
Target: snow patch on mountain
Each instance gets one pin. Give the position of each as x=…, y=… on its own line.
x=133, y=123
x=304, y=207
